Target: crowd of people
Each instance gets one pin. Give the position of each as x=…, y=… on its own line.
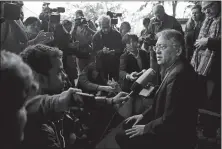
x=62, y=83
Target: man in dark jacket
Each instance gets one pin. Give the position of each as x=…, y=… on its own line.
x=91, y=79
x=132, y=62
x=167, y=123
x=109, y=41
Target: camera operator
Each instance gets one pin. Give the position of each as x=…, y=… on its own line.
x=47, y=66
x=13, y=32
x=109, y=41
x=63, y=39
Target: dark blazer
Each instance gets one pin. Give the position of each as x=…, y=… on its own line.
x=128, y=64
x=113, y=41
x=174, y=112
x=87, y=81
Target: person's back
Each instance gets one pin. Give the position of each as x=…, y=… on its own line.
x=17, y=84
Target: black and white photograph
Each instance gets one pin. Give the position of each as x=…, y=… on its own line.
x=110, y=74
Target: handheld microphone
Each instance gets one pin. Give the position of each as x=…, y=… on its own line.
x=90, y=99
x=142, y=81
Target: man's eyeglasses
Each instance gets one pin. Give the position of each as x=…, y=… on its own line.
x=162, y=46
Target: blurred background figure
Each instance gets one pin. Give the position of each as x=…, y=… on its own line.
x=67, y=25
x=124, y=28
x=33, y=26
x=192, y=29
x=17, y=84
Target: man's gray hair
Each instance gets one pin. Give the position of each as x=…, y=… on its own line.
x=104, y=18
x=173, y=35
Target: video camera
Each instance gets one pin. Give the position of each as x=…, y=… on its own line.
x=80, y=21
x=113, y=17
x=149, y=40
x=47, y=9
x=54, y=13
x=11, y=11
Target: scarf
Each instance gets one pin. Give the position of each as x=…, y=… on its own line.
x=203, y=58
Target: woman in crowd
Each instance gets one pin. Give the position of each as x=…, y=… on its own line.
x=192, y=29
x=206, y=60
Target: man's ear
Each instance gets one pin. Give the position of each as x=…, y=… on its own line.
x=179, y=51
x=42, y=79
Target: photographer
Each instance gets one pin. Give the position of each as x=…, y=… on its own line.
x=109, y=41
x=47, y=66
x=83, y=31
x=91, y=27
x=63, y=39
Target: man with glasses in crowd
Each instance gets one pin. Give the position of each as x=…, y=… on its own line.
x=167, y=123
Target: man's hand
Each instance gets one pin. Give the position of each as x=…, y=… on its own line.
x=70, y=96
x=136, y=130
x=44, y=37
x=106, y=88
x=74, y=44
x=105, y=50
x=144, y=70
x=132, y=76
x=201, y=43
x=120, y=97
x=137, y=118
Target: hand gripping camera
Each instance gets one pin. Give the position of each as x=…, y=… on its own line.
x=80, y=21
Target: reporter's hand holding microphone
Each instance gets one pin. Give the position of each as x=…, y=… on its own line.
x=132, y=77
x=75, y=98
